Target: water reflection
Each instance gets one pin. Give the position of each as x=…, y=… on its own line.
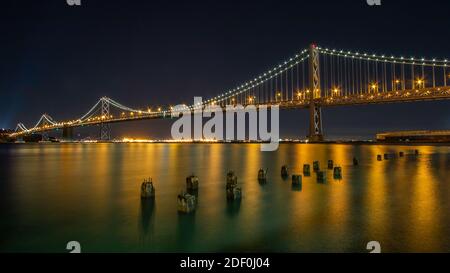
x=52, y=192
x=298, y=187
x=186, y=230
x=147, y=220
x=233, y=207
x=424, y=201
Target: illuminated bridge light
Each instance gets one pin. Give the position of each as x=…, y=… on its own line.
x=373, y=86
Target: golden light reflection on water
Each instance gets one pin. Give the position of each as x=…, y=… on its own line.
x=375, y=190
x=339, y=196
x=425, y=208
x=91, y=191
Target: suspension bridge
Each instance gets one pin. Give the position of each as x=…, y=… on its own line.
x=316, y=77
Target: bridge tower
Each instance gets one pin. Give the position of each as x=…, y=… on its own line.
x=105, y=130
x=45, y=122
x=315, y=111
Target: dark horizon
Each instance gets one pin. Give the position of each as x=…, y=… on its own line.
x=59, y=59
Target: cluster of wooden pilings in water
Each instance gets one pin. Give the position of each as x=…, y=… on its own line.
x=389, y=156
x=233, y=191
x=321, y=175
x=187, y=199
x=147, y=189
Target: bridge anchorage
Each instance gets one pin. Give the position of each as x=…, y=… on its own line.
x=314, y=78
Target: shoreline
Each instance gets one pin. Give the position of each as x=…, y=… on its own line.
x=337, y=142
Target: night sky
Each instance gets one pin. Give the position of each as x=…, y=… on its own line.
x=60, y=59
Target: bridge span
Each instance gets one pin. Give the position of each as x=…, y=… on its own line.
x=314, y=78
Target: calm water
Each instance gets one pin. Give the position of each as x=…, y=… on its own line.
x=54, y=193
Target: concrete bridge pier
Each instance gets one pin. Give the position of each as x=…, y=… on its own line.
x=67, y=133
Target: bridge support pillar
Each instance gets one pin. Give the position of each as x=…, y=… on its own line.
x=45, y=136
x=315, y=124
x=105, y=128
x=105, y=131
x=315, y=112
x=67, y=133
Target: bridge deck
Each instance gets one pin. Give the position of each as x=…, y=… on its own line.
x=401, y=96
